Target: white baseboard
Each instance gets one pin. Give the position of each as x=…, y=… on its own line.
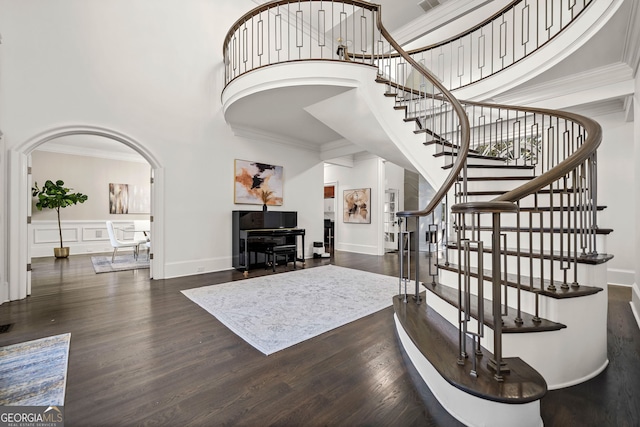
x=635, y=302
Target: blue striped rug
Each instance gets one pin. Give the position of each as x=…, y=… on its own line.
x=34, y=373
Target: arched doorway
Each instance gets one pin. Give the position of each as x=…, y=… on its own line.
x=19, y=201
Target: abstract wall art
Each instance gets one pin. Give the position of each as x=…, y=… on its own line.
x=118, y=198
x=258, y=183
x=129, y=199
x=357, y=206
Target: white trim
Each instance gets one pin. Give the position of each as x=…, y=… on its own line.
x=19, y=200
x=631, y=54
x=53, y=147
x=438, y=17
x=263, y=136
x=572, y=38
x=620, y=277
x=635, y=296
x=607, y=76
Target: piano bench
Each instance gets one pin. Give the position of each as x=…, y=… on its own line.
x=273, y=252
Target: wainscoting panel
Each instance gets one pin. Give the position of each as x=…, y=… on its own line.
x=81, y=237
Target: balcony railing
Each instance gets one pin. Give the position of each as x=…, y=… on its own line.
x=299, y=30
x=505, y=38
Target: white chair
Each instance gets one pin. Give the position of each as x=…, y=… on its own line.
x=141, y=233
x=148, y=246
x=117, y=244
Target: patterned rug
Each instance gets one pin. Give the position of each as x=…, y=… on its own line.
x=102, y=264
x=280, y=310
x=34, y=373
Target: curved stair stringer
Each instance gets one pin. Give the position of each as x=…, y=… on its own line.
x=461, y=404
x=564, y=357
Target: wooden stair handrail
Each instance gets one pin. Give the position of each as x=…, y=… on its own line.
x=465, y=133
x=586, y=150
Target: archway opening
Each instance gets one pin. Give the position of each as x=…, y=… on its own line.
x=107, y=147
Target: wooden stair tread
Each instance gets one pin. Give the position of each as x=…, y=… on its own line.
x=437, y=340
x=501, y=192
x=512, y=281
x=524, y=229
x=471, y=154
x=555, y=208
x=591, y=259
x=509, y=326
x=504, y=167
x=498, y=178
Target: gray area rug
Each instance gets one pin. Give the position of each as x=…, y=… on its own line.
x=102, y=264
x=34, y=373
x=280, y=310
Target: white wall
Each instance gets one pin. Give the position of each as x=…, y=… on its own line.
x=90, y=176
x=616, y=173
x=152, y=70
x=367, y=172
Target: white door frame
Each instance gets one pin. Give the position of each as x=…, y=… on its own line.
x=19, y=200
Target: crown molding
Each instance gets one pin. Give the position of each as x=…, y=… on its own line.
x=613, y=74
x=631, y=53
x=436, y=18
x=601, y=108
x=253, y=134
x=338, y=149
x=53, y=147
x=345, y=161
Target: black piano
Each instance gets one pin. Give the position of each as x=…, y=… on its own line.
x=256, y=232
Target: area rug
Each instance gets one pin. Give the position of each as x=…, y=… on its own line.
x=103, y=264
x=280, y=310
x=34, y=373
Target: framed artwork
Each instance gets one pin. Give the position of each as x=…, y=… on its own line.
x=357, y=206
x=118, y=198
x=129, y=199
x=257, y=183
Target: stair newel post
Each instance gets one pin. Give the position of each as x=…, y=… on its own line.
x=462, y=352
x=518, y=272
x=445, y=229
x=417, y=263
x=433, y=249
x=496, y=362
x=593, y=191
x=402, y=279
x=576, y=225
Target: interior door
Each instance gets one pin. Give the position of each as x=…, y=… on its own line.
x=29, y=226
x=390, y=222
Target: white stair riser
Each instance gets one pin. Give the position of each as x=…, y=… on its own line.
x=553, y=353
x=566, y=219
x=495, y=185
x=474, y=161
x=586, y=273
x=492, y=172
x=533, y=241
x=530, y=201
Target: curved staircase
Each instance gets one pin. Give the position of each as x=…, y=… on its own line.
x=516, y=301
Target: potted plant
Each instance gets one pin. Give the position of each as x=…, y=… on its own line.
x=57, y=196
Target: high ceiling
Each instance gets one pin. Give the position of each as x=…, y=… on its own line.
x=408, y=22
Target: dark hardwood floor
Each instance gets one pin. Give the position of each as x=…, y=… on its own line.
x=143, y=354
